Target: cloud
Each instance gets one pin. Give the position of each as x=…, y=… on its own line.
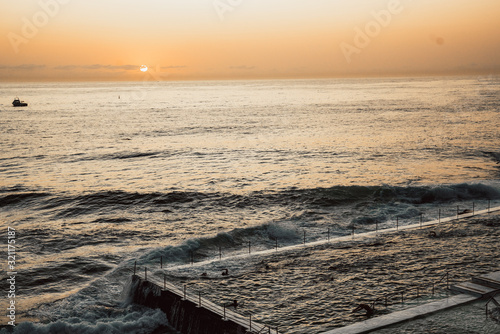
x=173, y=67
x=110, y=67
x=125, y=67
x=242, y=67
x=93, y=67
x=66, y=67
x=98, y=67
x=23, y=67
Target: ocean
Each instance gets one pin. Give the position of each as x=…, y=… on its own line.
x=97, y=176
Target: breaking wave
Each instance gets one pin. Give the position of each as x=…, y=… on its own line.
x=259, y=236
x=133, y=321
x=316, y=197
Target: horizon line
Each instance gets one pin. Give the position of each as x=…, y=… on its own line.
x=495, y=72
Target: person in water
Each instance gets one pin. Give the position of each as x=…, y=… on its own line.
x=369, y=310
x=233, y=304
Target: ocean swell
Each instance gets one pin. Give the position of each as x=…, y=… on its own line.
x=66, y=205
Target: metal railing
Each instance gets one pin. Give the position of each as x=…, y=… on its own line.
x=406, y=294
x=491, y=300
x=387, y=299
x=463, y=211
x=223, y=311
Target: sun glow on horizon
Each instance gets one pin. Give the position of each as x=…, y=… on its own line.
x=144, y=68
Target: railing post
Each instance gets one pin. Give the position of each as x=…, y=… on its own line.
x=185, y=292
x=439, y=215
x=458, y=209
x=376, y=227
x=421, y=219
x=249, y=247
x=199, y=298
x=224, y=312
x=473, y=208
x=220, y=253
x=328, y=234
x=276, y=243
x=192, y=258
x=353, y=231
x=135, y=267
x=145, y=273
x=161, y=262
x=397, y=223
x=433, y=288
x=489, y=202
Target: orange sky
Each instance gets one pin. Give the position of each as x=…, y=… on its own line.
x=217, y=39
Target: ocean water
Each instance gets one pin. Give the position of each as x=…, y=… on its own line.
x=95, y=176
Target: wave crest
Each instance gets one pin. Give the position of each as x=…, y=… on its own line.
x=301, y=199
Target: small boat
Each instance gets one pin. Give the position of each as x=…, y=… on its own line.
x=18, y=103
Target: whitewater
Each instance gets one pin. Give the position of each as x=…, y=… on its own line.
x=97, y=176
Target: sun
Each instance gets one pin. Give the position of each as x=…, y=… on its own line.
x=144, y=68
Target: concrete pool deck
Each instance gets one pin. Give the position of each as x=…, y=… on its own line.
x=480, y=287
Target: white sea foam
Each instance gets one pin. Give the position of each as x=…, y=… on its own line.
x=130, y=322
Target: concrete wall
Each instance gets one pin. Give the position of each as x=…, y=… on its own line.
x=183, y=315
